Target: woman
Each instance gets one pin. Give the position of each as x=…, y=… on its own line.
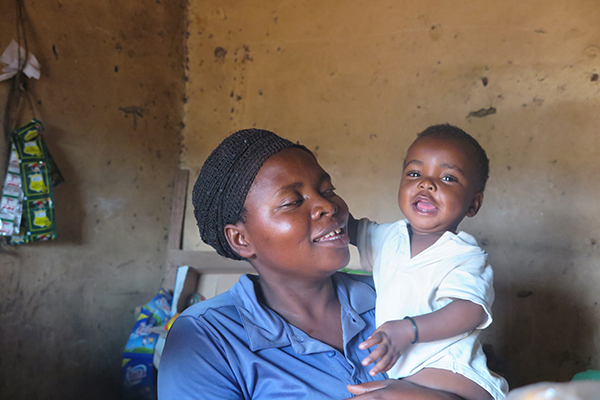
x=293, y=330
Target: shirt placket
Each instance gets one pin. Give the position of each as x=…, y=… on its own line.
x=352, y=325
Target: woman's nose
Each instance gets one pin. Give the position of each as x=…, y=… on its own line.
x=324, y=207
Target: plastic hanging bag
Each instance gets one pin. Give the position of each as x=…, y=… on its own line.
x=138, y=367
x=576, y=390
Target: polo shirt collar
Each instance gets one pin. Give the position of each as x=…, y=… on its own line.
x=266, y=329
x=462, y=242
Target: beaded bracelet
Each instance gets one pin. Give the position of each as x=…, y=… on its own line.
x=415, y=329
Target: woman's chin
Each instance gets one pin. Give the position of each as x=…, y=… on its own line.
x=344, y=259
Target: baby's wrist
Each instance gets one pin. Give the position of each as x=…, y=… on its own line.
x=415, y=329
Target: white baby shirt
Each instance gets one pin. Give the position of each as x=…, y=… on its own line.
x=453, y=267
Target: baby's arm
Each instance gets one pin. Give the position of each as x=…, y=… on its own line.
x=394, y=337
x=353, y=230
x=457, y=317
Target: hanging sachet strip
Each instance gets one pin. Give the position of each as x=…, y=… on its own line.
x=11, y=202
x=38, y=221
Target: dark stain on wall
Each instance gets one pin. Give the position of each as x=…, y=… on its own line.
x=136, y=111
x=484, y=112
x=220, y=53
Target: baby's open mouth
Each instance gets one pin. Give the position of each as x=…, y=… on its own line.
x=425, y=206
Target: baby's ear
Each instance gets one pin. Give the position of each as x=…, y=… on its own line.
x=237, y=238
x=475, y=205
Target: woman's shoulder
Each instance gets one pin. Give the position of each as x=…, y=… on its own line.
x=219, y=303
x=224, y=305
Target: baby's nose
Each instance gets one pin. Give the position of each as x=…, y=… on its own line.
x=427, y=184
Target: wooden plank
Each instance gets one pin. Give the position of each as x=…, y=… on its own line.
x=168, y=281
x=203, y=262
x=175, y=238
x=208, y=262
x=180, y=188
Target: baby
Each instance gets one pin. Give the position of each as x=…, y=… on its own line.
x=434, y=286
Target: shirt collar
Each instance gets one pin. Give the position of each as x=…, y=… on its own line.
x=266, y=329
x=463, y=242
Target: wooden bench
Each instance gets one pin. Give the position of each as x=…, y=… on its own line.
x=200, y=262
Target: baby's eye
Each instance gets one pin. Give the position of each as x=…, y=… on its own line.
x=449, y=178
x=413, y=174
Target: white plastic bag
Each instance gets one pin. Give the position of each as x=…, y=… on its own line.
x=576, y=390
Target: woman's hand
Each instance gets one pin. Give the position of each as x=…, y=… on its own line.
x=392, y=339
x=394, y=389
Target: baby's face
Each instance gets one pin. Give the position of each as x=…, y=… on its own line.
x=439, y=185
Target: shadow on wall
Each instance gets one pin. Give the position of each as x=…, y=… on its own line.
x=545, y=336
x=540, y=229
x=544, y=324
x=69, y=205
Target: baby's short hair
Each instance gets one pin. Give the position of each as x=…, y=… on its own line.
x=448, y=131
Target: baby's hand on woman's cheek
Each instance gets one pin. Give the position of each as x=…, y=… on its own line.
x=391, y=339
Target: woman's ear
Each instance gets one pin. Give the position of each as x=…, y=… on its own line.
x=475, y=204
x=237, y=238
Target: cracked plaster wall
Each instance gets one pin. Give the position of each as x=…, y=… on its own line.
x=110, y=99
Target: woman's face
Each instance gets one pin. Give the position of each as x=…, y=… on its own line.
x=295, y=224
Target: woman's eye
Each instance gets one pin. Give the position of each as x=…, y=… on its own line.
x=449, y=178
x=293, y=203
x=329, y=192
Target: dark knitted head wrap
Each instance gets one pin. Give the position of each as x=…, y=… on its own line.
x=225, y=178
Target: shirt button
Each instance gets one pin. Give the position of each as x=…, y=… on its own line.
x=330, y=353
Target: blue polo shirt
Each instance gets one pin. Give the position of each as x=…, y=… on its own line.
x=233, y=347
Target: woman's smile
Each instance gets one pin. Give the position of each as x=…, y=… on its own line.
x=295, y=218
x=337, y=237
